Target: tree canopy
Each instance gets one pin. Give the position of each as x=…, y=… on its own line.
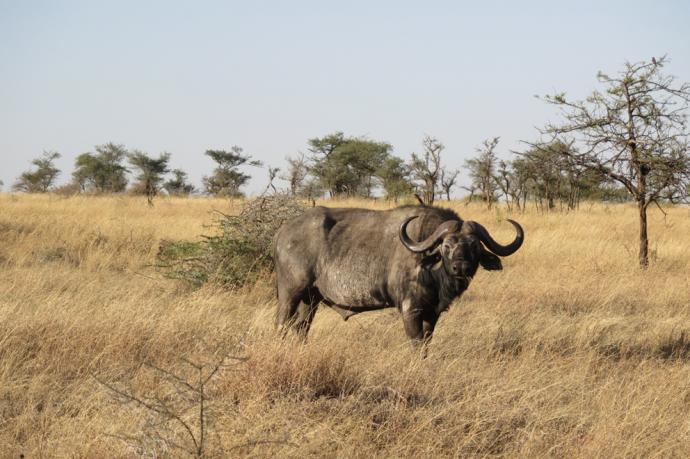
x=150, y=172
x=395, y=178
x=42, y=178
x=102, y=171
x=178, y=185
x=347, y=166
x=227, y=178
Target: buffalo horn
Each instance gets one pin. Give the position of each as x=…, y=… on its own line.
x=484, y=236
x=444, y=228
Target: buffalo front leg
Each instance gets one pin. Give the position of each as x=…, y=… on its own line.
x=419, y=324
x=429, y=319
x=412, y=319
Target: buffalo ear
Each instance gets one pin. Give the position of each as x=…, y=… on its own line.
x=489, y=261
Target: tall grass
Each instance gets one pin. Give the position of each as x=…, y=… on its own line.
x=570, y=351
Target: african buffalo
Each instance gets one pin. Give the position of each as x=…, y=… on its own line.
x=415, y=258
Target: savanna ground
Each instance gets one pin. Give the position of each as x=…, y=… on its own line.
x=571, y=351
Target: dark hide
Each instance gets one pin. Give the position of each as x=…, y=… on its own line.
x=356, y=260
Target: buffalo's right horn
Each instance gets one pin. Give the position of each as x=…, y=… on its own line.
x=488, y=241
x=444, y=228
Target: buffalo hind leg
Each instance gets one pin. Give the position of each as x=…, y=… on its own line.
x=306, y=312
x=297, y=311
x=291, y=287
x=303, y=319
x=288, y=302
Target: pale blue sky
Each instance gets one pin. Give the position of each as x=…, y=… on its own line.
x=267, y=75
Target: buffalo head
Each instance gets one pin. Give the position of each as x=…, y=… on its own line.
x=460, y=247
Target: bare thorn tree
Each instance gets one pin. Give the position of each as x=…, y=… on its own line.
x=427, y=168
x=633, y=132
x=448, y=181
x=272, y=173
x=296, y=173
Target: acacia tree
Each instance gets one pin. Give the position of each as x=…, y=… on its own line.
x=521, y=182
x=482, y=170
x=178, y=185
x=227, y=178
x=102, y=171
x=322, y=166
x=548, y=173
x=42, y=178
x=545, y=168
x=395, y=178
x=151, y=171
x=506, y=182
x=426, y=168
x=633, y=132
x=347, y=166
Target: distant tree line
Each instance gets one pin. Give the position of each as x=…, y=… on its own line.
x=337, y=165
x=545, y=176
x=548, y=175
x=106, y=169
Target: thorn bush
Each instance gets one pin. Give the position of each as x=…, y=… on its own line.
x=240, y=250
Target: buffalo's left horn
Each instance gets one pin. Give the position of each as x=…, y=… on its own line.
x=444, y=228
x=488, y=241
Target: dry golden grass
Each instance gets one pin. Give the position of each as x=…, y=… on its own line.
x=571, y=351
